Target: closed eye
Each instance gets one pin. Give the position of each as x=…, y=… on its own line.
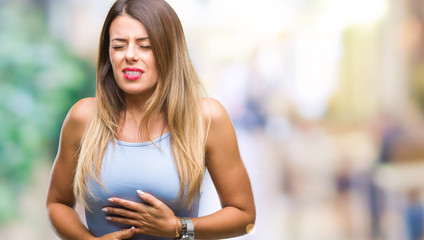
x=117, y=47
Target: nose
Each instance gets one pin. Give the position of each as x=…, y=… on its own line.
x=131, y=53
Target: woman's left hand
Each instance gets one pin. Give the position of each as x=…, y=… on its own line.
x=156, y=219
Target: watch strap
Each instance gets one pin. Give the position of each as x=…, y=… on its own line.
x=190, y=227
x=187, y=229
x=184, y=226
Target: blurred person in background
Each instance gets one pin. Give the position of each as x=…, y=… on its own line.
x=135, y=155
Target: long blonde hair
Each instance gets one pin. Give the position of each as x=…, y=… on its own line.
x=178, y=95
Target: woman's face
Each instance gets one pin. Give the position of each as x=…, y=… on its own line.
x=132, y=59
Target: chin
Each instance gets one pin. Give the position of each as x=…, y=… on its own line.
x=136, y=88
x=138, y=91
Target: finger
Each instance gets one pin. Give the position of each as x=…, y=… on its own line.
x=120, y=211
x=126, y=203
x=150, y=199
x=127, y=221
x=125, y=233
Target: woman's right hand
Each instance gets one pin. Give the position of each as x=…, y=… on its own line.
x=118, y=235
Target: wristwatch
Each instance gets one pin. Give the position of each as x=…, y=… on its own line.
x=188, y=229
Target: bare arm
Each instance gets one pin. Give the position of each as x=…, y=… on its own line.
x=230, y=178
x=60, y=198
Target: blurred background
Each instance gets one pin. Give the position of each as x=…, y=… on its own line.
x=327, y=98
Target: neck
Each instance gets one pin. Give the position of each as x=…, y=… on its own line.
x=130, y=126
x=132, y=116
x=135, y=103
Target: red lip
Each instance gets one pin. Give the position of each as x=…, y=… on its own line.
x=132, y=73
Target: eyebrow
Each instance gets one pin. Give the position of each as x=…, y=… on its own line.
x=124, y=40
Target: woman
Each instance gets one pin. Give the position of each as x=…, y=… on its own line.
x=135, y=155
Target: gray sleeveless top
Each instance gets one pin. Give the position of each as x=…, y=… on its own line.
x=131, y=166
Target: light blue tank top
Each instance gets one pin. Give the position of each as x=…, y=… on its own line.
x=131, y=166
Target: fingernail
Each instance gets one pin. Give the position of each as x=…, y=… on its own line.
x=132, y=229
x=140, y=192
x=110, y=199
x=108, y=218
x=104, y=209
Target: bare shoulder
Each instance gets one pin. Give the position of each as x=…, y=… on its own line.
x=77, y=118
x=81, y=112
x=213, y=110
x=220, y=127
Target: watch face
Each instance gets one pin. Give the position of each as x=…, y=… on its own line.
x=187, y=237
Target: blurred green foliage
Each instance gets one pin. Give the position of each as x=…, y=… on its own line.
x=39, y=80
